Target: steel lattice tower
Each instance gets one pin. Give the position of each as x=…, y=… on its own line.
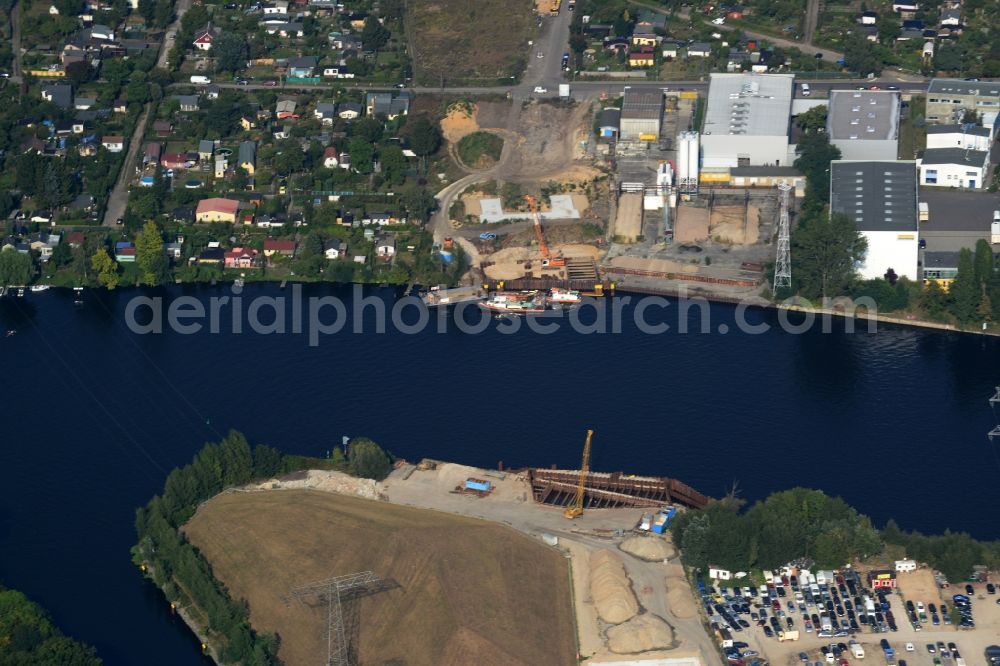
x=330, y=593
x=783, y=260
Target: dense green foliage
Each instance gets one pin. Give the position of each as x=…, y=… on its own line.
x=973, y=298
x=815, y=152
x=480, y=146
x=15, y=268
x=952, y=553
x=27, y=636
x=182, y=572
x=785, y=526
x=826, y=253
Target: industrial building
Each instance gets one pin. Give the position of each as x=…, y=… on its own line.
x=957, y=219
x=881, y=198
x=641, y=114
x=864, y=124
x=746, y=121
x=954, y=167
x=609, y=123
x=948, y=99
x=959, y=136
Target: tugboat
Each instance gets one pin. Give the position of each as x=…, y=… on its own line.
x=515, y=302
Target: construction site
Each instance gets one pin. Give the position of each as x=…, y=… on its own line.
x=447, y=564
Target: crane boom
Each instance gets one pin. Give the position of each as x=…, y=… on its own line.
x=575, y=510
x=540, y=235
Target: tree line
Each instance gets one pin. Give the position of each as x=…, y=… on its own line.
x=181, y=571
x=27, y=636
x=805, y=523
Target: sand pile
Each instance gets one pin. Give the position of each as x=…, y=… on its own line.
x=641, y=634
x=610, y=588
x=651, y=549
x=679, y=598
x=327, y=481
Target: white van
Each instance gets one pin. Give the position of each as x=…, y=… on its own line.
x=201, y=80
x=805, y=90
x=857, y=650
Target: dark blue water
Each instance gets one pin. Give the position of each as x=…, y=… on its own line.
x=95, y=417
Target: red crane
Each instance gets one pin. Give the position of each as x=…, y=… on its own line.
x=548, y=258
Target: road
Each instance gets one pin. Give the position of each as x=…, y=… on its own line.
x=118, y=199
x=812, y=20
x=807, y=47
x=15, y=40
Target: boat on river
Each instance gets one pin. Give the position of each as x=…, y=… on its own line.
x=516, y=302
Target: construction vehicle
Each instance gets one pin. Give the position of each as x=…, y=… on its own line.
x=548, y=259
x=554, y=7
x=575, y=510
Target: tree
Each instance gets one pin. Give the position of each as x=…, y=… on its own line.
x=106, y=268
x=230, y=51
x=79, y=72
x=424, y=136
x=374, y=35
x=826, y=255
x=964, y=293
x=367, y=459
x=393, y=164
x=16, y=269
x=418, y=202
x=983, y=263
x=69, y=7
x=147, y=9
x=362, y=153
x=933, y=301
x=814, y=156
x=812, y=120
x=149, y=254
x=889, y=29
x=860, y=55
x=368, y=128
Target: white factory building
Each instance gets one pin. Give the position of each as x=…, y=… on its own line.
x=955, y=167
x=881, y=197
x=864, y=124
x=958, y=136
x=746, y=121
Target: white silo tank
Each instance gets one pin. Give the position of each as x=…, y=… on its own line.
x=692, y=167
x=682, y=155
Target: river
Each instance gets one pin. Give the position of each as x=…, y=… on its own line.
x=96, y=416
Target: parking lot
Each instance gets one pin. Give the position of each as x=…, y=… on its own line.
x=858, y=615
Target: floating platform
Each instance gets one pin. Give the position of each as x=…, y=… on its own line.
x=604, y=490
x=440, y=297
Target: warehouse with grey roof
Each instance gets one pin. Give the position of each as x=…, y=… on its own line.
x=746, y=120
x=640, y=115
x=864, y=124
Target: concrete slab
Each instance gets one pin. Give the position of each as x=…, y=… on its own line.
x=561, y=208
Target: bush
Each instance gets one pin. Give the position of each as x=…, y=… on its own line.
x=367, y=459
x=480, y=149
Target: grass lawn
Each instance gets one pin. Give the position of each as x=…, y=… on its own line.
x=470, y=592
x=912, y=138
x=455, y=41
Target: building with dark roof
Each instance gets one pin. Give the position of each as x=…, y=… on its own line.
x=609, y=123
x=881, y=198
x=954, y=167
x=640, y=115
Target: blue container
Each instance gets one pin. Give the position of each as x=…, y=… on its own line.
x=477, y=485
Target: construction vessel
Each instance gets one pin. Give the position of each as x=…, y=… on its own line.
x=548, y=258
x=439, y=296
x=559, y=296
x=515, y=302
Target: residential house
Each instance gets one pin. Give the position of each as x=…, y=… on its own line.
x=616, y=45
x=174, y=249
x=597, y=29
x=41, y=217
x=868, y=18
x=212, y=256
x=302, y=67
x=82, y=203
x=204, y=37
x=386, y=248
x=113, y=143
x=644, y=39
x=269, y=221
x=76, y=239
x=906, y=566
x=387, y=104
x=187, y=102
x=183, y=214
x=241, y=257
x=212, y=91
x=120, y=106
x=285, y=109
x=882, y=579
x=124, y=252
x=283, y=247
x=151, y=153
x=737, y=60
x=84, y=103
x=102, y=32
x=287, y=30
x=951, y=17
x=350, y=110
x=16, y=244
x=335, y=249
x=330, y=160
x=325, y=112
x=221, y=164
x=44, y=244
x=670, y=49
x=715, y=572
x=247, y=156
x=904, y=6
x=175, y=161
x=338, y=72
x=642, y=57
x=735, y=12
x=216, y=209
x=699, y=50
x=59, y=94
x=650, y=22
x=206, y=148
x=162, y=128
x=248, y=123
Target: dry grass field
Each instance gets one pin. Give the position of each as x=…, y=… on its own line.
x=476, y=43
x=470, y=592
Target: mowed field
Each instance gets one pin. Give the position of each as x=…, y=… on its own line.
x=475, y=42
x=470, y=592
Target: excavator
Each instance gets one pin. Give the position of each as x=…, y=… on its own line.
x=548, y=259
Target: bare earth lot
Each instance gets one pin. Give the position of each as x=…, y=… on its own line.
x=448, y=40
x=470, y=591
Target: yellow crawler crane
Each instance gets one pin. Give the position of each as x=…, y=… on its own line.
x=575, y=510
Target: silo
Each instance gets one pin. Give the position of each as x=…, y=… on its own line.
x=682, y=156
x=692, y=152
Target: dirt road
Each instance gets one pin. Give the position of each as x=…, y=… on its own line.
x=812, y=20
x=118, y=199
x=15, y=39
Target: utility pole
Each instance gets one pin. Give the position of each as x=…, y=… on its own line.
x=783, y=260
